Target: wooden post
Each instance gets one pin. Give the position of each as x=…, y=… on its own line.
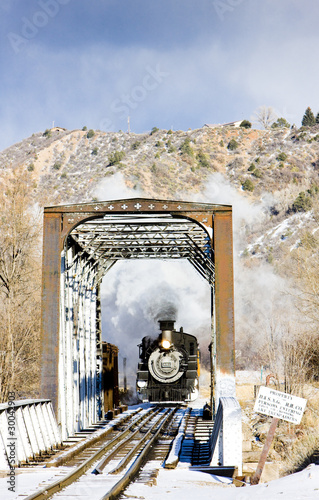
x=263, y=457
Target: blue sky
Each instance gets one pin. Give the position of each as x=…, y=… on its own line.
x=171, y=64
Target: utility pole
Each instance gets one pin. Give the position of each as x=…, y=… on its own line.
x=128, y=125
x=124, y=371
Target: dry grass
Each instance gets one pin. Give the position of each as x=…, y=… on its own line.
x=303, y=452
x=304, y=446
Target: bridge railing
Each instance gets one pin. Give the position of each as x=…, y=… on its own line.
x=226, y=438
x=28, y=429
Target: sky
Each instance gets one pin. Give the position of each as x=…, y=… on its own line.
x=172, y=64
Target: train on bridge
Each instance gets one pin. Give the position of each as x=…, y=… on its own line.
x=169, y=366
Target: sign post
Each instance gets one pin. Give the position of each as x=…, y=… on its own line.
x=278, y=405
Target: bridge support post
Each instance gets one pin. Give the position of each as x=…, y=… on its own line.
x=50, y=318
x=224, y=306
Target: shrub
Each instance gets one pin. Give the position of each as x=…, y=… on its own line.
x=251, y=167
x=84, y=128
x=171, y=148
x=135, y=145
x=232, y=145
x=90, y=133
x=301, y=137
x=302, y=203
x=245, y=124
x=159, y=144
x=116, y=157
x=281, y=123
x=47, y=133
x=202, y=159
x=31, y=167
x=248, y=185
x=57, y=165
x=282, y=156
x=309, y=241
x=169, y=131
x=95, y=151
x=257, y=173
x=270, y=258
x=186, y=147
x=221, y=143
x=154, y=130
x=313, y=190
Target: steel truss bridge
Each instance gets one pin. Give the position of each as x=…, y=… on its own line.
x=127, y=236
x=81, y=243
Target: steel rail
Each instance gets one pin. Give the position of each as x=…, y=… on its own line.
x=99, y=468
x=134, y=468
x=125, y=460
x=78, y=448
x=72, y=476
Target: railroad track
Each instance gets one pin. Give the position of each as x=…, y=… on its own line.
x=103, y=471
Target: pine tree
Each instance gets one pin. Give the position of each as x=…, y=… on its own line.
x=317, y=118
x=308, y=118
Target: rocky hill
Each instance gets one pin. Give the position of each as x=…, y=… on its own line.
x=268, y=168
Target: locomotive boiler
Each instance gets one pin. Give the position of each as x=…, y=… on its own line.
x=168, y=368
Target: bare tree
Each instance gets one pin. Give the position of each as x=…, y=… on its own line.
x=19, y=287
x=304, y=267
x=265, y=116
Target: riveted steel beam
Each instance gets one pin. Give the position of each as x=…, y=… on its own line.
x=224, y=303
x=51, y=273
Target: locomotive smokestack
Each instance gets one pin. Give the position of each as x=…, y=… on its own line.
x=167, y=328
x=167, y=325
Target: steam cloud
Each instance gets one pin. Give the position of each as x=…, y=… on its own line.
x=135, y=295
x=165, y=304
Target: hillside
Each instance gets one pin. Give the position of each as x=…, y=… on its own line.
x=271, y=179
x=268, y=168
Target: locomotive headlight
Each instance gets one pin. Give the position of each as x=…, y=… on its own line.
x=166, y=344
x=141, y=384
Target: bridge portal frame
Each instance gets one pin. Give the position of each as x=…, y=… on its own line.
x=59, y=221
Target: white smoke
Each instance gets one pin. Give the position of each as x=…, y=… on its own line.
x=136, y=294
x=114, y=188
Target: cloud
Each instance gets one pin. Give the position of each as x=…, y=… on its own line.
x=78, y=67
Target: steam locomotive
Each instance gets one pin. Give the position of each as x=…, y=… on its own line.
x=168, y=368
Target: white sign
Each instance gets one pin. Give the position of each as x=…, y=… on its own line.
x=280, y=405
